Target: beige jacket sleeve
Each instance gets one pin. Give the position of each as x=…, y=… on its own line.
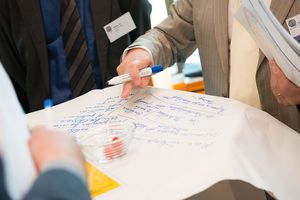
x=173, y=40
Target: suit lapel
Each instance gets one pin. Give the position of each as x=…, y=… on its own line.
x=221, y=31
x=280, y=9
x=32, y=16
x=101, y=13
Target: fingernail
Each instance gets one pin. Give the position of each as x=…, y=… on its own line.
x=124, y=96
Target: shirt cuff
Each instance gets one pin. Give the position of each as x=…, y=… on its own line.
x=137, y=47
x=67, y=166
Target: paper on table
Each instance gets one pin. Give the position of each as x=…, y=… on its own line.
x=99, y=182
x=186, y=142
x=271, y=37
x=14, y=135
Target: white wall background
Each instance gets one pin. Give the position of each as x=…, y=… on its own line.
x=159, y=11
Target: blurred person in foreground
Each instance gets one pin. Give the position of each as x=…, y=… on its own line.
x=40, y=164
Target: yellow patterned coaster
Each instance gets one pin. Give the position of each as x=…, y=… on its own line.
x=98, y=182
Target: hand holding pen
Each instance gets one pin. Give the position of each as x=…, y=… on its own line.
x=143, y=73
x=134, y=61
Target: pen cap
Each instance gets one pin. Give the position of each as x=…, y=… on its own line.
x=48, y=103
x=157, y=68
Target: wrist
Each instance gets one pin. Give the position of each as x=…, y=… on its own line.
x=70, y=166
x=143, y=52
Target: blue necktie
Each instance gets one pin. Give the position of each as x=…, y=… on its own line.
x=79, y=67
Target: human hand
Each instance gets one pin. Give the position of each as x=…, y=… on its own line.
x=47, y=146
x=134, y=61
x=283, y=89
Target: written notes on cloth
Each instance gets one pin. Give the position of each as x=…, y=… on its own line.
x=185, y=139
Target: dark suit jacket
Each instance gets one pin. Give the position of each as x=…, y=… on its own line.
x=23, y=50
x=54, y=184
x=140, y=11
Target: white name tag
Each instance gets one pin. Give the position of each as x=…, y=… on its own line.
x=119, y=27
x=294, y=26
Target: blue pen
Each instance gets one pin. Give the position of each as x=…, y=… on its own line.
x=48, y=103
x=144, y=72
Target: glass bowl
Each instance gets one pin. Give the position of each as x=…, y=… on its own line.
x=107, y=142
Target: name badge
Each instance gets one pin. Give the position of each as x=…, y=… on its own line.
x=294, y=26
x=119, y=27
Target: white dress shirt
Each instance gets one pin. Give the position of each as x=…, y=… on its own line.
x=244, y=55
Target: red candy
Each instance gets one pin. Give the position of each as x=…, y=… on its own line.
x=113, y=150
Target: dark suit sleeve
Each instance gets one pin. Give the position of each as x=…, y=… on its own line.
x=9, y=55
x=58, y=184
x=3, y=191
x=140, y=11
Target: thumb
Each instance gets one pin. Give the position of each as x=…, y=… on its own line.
x=275, y=70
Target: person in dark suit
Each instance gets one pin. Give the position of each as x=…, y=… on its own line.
x=32, y=46
x=60, y=165
x=140, y=12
